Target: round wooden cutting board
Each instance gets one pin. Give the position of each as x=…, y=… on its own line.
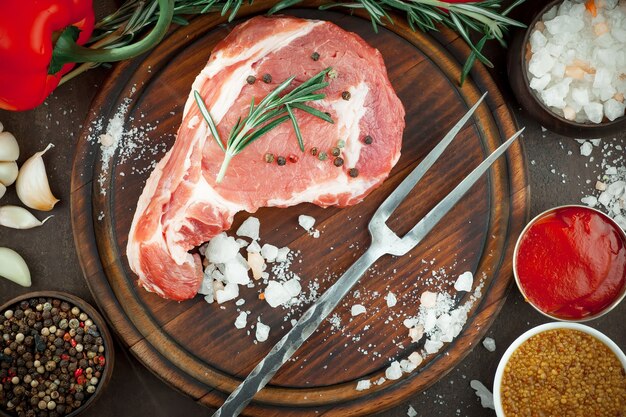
x=195, y=346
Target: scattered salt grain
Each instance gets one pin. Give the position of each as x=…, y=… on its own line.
x=357, y=309
x=306, y=222
x=241, y=320
x=432, y=346
x=486, y=397
x=464, y=282
x=262, y=331
x=391, y=299
x=282, y=254
x=249, y=228
x=394, y=371
x=416, y=333
x=363, y=384
x=489, y=344
x=411, y=412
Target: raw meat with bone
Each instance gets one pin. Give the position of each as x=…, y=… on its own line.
x=182, y=206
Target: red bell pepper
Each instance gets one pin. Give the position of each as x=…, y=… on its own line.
x=40, y=40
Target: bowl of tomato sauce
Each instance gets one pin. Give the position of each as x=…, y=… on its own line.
x=570, y=263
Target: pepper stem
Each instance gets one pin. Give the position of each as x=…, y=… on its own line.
x=67, y=51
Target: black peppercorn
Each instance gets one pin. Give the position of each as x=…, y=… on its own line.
x=338, y=162
x=314, y=151
x=281, y=160
x=251, y=79
x=353, y=172
x=368, y=140
x=315, y=56
x=346, y=95
x=267, y=78
x=335, y=151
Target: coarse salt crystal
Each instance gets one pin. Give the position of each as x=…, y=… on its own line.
x=428, y=299
x=222, y=249
x=254, y=247
x=276, y=294
x=241, y=320
x=489, y=344
x=464, y=282
x=282, y=254
x=292, y=287
x=235, y=273
x=432, y=346
x=357, y=309
x=306, y=222
x=269, y=252
x=416, y=333
x=586, y=149
x=486, y=397
x=230, y=292
x=590, y=201
x=416, y=358
x=262, y=331
x=256, y=262
x=391, y=299
x=394, y=371
x=249, y=228
x=411, y=412
x=407, y=366
x=363, y=384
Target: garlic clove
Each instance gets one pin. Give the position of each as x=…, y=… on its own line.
x=8, y=173
x=32, y=184
x=13, y=267
x=19, y=218
x=9, y=149
x=3, y=190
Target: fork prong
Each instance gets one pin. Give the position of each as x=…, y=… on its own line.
x=399, y=194
x=426, y=224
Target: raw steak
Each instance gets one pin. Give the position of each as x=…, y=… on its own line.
x=182, y=206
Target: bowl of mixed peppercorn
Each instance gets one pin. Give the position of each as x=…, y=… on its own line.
x=56, y=355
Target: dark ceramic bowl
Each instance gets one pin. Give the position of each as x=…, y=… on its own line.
x=518, y=78
x=98, y=320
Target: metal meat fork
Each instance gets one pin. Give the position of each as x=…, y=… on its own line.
x=384, y=241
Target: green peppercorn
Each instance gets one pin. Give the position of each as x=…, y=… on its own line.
x=322, y=156
x=269, y=158
x=267, y=78
x=251, y=79
x=281, y=160
x=338, y=162
x=315, y=56
x=341, y=143
x=346, y=95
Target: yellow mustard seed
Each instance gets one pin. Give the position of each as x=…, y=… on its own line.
x=563, y=372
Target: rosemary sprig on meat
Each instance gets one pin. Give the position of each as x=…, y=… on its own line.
x=270, y=112
x=481, y=17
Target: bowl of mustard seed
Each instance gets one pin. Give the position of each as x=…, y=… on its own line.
x=56, y=355
x=561, y=369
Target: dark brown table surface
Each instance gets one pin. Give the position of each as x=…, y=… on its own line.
x=134, y=391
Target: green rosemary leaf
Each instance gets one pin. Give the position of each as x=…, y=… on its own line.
x=208, y=118
x=313, y=111
x=251, y=137
x=465, y=36
x=296, y=128
x=282, y=5
x=467, y=67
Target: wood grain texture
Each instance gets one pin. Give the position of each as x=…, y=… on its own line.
x=195, y=347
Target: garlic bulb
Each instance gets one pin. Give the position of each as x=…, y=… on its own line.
x=9, y=150
x=32, y=183
x=13, y=267
x=8, y=173
x=19, y=218
x=3, y=190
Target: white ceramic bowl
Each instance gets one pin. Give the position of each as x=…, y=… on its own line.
x=497, y=399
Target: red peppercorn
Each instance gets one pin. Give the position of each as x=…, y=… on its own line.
x=82, y=324
x=102, y=360
x=67, y=337
x=78, y=372
x=65, y=357
x=73, y=343
x=81, y=380
x=293, y=158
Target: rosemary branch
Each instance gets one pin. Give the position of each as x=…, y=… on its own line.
x=272, y=111
x=480, y=17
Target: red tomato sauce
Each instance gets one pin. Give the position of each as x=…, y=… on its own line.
x=571, y=263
